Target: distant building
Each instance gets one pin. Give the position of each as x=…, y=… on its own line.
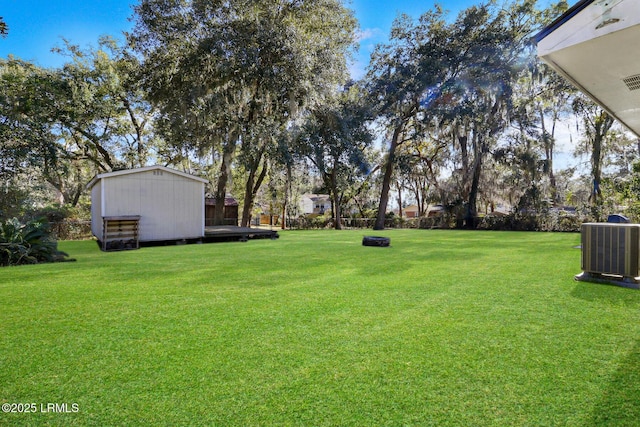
x=315, y=204
x=230, y=210
x=411, y=211
x=435, y=210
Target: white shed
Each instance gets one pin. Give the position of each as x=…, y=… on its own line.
x=164, y=203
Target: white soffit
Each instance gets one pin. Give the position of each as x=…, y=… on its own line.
x=598, y=50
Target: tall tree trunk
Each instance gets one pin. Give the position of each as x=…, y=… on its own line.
x=472, y=204
x=399, y=188
x=283, y=225
x=247, y=205
x=287, y=192
x=549, y=143
x=602, y=125
x=386, y=181
x=336, y=199
x=225, y=174
x=76, y=195
x=472, y=208
x=423, y=199
x=251, y=189
x=462, y=141
x=336, y=211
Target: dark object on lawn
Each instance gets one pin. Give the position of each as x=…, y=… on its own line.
x=375, y=241
x=121, y=245
x=617, y=218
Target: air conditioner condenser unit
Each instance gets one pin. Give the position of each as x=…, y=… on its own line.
x=611, y=254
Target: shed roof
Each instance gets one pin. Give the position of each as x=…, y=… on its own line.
x=317, y=197
x=97, y=178
x=228, y=201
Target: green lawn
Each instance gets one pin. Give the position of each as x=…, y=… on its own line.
x=442, y=328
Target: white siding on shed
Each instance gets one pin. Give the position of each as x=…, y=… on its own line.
x=96, y=209
x=170, y=203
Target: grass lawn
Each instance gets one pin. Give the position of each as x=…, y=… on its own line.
x=442, y=328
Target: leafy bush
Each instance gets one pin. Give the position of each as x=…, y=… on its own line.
x=28, y=243
x=71, y=229
x=443, y=221
x=517, y=221
x=525, y=221
x=52, y=213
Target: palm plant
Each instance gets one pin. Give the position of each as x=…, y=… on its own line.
x=28, y=243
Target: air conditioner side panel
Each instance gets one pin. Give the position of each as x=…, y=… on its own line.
x=611, y=249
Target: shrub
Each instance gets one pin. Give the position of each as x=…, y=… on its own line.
x=444, y=221
x=71, y=229
x=28, y=243
x=527, y=221
x=52, y=213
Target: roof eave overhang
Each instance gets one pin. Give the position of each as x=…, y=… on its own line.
x=570, y=13
x=585, y=91
x=593, y=45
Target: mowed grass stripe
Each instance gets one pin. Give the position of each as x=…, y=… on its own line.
x=441, y=328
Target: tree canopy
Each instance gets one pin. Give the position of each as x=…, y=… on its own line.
x=223, y=72
x=255, y=96
x=4, y=28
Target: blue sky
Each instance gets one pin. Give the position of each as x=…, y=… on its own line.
x=36, y=26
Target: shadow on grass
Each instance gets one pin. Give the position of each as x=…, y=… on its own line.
x=619, y=403
x=595, y=292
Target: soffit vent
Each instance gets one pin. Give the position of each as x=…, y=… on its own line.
x=632, y=82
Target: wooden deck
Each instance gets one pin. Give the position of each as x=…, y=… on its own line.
x=231, y=233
